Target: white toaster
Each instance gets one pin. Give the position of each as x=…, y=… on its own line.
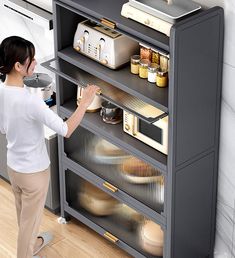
x=104, y=44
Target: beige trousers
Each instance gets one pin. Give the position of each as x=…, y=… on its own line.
x=30, y=191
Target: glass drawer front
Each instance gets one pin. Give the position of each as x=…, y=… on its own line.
x=131, y=175
x=119, y=220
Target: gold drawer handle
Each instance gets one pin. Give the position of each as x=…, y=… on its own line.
x=110, y=237
x=110, y=187
x=108, y=23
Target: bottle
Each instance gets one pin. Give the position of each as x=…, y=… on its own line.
x=162, y=78
x=164, y=63
x=152, y=72
x=135, y=61
x=143, y=69
x=155, y=57
x=145, y=53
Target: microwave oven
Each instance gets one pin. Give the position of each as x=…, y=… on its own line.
x=154, y=135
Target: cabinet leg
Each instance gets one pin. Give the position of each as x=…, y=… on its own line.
x=64, y=218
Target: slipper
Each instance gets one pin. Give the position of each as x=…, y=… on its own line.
x=37, y=256
x=46, y=239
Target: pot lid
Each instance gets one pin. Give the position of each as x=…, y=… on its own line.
x=38, y=80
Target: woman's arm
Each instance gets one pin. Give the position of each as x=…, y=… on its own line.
x=75, y=119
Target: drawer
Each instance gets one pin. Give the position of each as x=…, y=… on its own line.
x=113, y=219
x=124, y=171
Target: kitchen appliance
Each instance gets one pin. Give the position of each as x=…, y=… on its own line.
x=40, y=84
x=94, y=106
x=155, y=134
x=147, y=19
x=103, y=44
x=110, y=113
x=166, y=10
x=38, y=11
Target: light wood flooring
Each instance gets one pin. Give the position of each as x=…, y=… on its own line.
x=73, y=240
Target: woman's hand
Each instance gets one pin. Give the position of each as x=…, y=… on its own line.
x=88, y=95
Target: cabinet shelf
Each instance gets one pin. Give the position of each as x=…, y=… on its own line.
x=121, y=78
x=126, y=26
x=116, y=135
x=71, y=164
x=126, y=231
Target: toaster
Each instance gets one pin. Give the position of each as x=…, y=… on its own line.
x=104, y=44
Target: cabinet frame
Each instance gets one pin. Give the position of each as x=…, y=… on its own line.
x=195, y=46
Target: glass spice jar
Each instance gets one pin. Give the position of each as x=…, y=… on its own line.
x=152, y=72
x=143, y=69
x=155, y=57
x=164, y=63
x=162, y=78
x=135, y=62
x=145, y=53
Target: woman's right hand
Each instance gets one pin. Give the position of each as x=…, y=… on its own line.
x=88, y=95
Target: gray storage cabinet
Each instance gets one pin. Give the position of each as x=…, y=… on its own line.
x=192, y=102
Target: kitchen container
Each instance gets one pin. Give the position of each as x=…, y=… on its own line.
x=143, y=69
x=94, y=106
x=151, y=238
x=110, y=113
x=135, y=62
x=152, y=72
x=145, y=52
x=96, y=201
x=162, y=78
x=40, y=84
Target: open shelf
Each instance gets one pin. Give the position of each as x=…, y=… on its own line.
x=121, y=78
x=126, y=26
x=116, y=135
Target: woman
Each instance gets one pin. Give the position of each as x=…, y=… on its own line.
x=22, y=116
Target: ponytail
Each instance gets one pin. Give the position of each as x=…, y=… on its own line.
x=2, y=75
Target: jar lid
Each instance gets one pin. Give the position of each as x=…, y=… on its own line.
x=162, y=72
x=153, y=67
x=144, y=62
x=135, y=58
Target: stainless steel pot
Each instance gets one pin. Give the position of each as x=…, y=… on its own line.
x=40, y=84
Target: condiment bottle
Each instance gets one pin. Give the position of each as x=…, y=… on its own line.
x=145, y=53
x=143, y=69
x=135, y=60
x=155, y=57
x=164, y=63
x=162, y=78
x=152, y=72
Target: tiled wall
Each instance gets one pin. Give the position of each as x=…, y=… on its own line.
x=225, y=238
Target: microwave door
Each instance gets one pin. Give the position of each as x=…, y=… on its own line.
x=153, y=132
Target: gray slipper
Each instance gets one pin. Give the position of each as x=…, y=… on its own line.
x=37, y=256
x=46, y=239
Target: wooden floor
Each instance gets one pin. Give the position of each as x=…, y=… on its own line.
x=73, y=240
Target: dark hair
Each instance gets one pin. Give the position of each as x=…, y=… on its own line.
x=14, y=49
